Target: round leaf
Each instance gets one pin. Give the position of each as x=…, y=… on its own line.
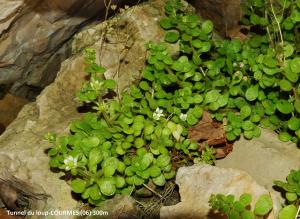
x=285, y=85
x=163, y=160
x=252, y=93
x=284, y=106
x=246, y=199
x=263, y=205
x=160, y=180
x=107, y=187
x=171, y=37
x=207, y=26
x=78, y=185
x=284, y=136
x=294, y=123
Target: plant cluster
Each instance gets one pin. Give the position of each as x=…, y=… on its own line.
x=243, y=84
x=123, y=143
x=131, y=138
x=241, y=209
x=292, y=193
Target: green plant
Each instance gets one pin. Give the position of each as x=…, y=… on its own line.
x=292, y=193
x=291, y=186
x=123, y=144
x=141, y=134
x=207, y=156
x=241, y=209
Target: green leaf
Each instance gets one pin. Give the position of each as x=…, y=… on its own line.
x=107, y=187
x=291, y=196
x=233, y=215
x=248, y=134
x=144, y=85
x=169, y=175
x=109, y=84
x=146, y=161
x=211, y=96
x=270, y=62
x=191, y=119
x=159, y=180
x=297, y=105
x=197, y=43
x=288, y=50
x=91, y=141
x=263, y=205
x=288, y=212
x=293, y=123
x=285, y=85
x=166, y=23
x=94, y=192
x=231, y=136
x=284, y=106
x=129, y=171
x=207, y=26
x=95, y=157
x=295, y=65
x=109, y=171
x=171, y=37
x=78, y=185
x=247, y=215
x=284, y=136
x=154, y=171
x=120, y=182
x=245, y=111
x=248, y=125
x=245, y=199
x=252, y=93
x=163, y=160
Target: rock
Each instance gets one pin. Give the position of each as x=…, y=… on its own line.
x=33, y=36
x=9, y=108
x=120, y=207
x=265, y=158
x=197, y=183
x=123, y=51
x=22, y=148
x=224, y=13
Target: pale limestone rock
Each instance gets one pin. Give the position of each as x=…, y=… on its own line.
x=116, y=208
x=197, y=183
x=265, y=158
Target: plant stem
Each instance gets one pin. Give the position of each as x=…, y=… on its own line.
x=156, y=193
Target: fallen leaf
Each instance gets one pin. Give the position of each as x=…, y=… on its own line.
x=236, y=33
x=210, y=132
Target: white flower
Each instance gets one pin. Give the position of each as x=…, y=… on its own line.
x=241, y=65
x=183, y=116
x=158, y=113
x=70, y=163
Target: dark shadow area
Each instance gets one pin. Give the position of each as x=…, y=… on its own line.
x=79, y=8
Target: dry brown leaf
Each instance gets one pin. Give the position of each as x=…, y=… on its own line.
x=210, y=132
x=236, y=33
